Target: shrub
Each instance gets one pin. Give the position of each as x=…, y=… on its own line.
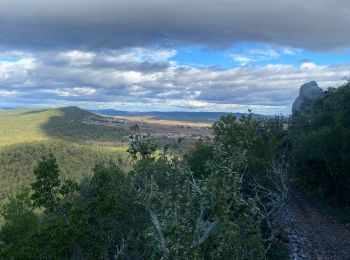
x=322, y=150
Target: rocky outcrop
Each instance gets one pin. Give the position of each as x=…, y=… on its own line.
x=308, y=93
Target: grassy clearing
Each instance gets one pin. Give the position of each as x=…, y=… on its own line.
x=24, y=125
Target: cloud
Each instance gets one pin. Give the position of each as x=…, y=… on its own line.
x=250, y=56
x=242, y=60
x=106, y=24
x=74, y=92
x=102, y=79
x=6, y=93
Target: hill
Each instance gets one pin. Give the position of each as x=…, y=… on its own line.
x=78, y=138
x=28, y=134
x=28, y=125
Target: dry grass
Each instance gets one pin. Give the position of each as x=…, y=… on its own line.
x=152, y=120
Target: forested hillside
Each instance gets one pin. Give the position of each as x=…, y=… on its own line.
x=27, y=125
x=76, y=161
x=28, y=134
x=219, y=200
x=164, y=206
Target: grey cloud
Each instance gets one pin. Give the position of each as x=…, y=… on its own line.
x=85, y=81
x=107, y=24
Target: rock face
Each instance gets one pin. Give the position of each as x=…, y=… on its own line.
x=308, y=93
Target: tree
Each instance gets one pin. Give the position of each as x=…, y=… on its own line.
x=208, y=218
x=264, y=176
x=46, y=186
x=19, y=228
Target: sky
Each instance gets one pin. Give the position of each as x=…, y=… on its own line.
x=170, y=55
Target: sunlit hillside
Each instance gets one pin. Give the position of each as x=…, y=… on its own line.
x=28, y=134
x=24, y=125
x=28, y=125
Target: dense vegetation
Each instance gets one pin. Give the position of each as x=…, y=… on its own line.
x=28, y=134
x=71, y=127
x=17, y=162
x=321, y=137
x=160, y=208
x=218, y=201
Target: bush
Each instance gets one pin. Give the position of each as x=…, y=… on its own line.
x=322, y=150
x=158, y=210
x=198, y=157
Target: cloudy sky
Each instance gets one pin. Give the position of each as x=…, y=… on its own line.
x=190, y=55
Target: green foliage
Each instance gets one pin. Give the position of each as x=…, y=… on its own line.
x=99, y=221
x=263, y=175
x=198, y=157
x=159, y=210
x=68, y=123
x=264, y=141
x=76, y=161
x=208, y=218
x=322, y=149
x=20, y=226
x=22, y=125
x=70, y=126
x=104, y=217
x=141, y=145
x=47, y=183
x=238, y=234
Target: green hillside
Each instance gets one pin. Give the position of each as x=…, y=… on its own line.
x=28, y=125
x=76, y=161
x=28, y=134
x=23, y=125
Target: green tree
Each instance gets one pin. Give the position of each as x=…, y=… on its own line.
x=198, y=218
x=46, y=186
x=19, y=228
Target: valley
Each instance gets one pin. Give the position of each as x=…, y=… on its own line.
x=77, y=137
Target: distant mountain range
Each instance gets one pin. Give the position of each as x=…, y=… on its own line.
x=172, y=115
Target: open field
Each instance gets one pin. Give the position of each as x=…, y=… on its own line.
x=163, y=130
x=153, y=120
x=23, y=125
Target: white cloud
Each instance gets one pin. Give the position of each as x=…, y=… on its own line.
x=6, y=93
x=242, y=60
x=76, y=57
x=266, y=53
x=138, y=55
x=74, y=92
x=152, y=82
x=309, y=66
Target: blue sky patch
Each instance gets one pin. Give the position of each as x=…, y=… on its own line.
x=254, y=54
x=9, y=59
